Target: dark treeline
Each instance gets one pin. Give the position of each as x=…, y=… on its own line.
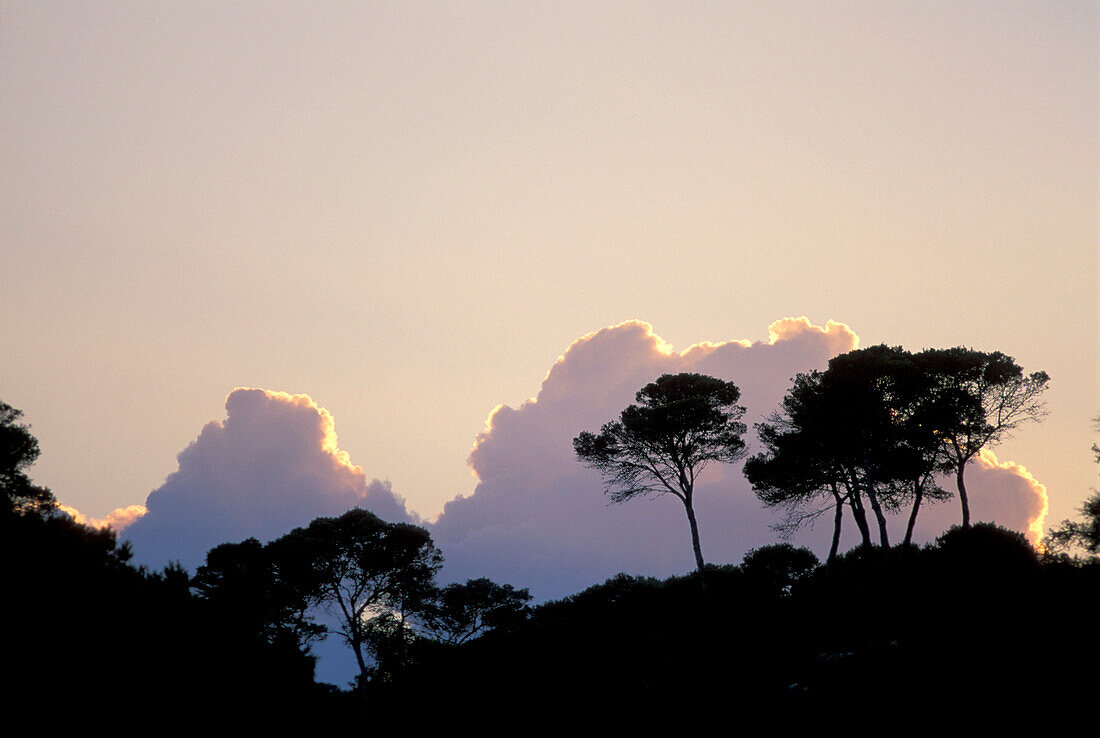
x=976, y=620
x=975, y=626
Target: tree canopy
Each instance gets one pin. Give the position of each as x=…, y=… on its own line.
x=1083, y=534
x=244, y=584
x=660, y=445
x=975, y=400
x=19, y=450
x=360, y=569
x=458, y=613
x=855, y=435
x=879, y=426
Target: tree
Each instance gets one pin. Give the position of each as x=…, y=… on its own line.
x=855, y=434
x=919, y=458
x=461, y=612
x=681, y=423
x=976, y=400
x=361, y=568
x=779, y=566
x=243, y=586
x=795, y=471
x=18, y=450
x=1083, y=534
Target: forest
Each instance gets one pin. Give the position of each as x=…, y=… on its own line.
x=979, y=621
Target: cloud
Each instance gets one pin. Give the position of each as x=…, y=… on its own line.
x=538, y=518
x=272, y=465
x=116, y=520
x=999, y=491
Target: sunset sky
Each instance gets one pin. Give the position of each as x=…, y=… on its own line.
x=408, y=212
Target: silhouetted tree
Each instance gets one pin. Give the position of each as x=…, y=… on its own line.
x=840, y=435
x=359, y=567
x=893, y=452
x=681, y=423
x=460, y=612
x=976, y=400
x=795, y=471
x=1081, y=534
x=18, y=450
x=987, y=546
x=918, y=457
x=780, y=566
x=874, y=427
x=243, y=585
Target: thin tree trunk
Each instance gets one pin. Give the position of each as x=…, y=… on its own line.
x=962, y=494
x=695, y=537
x=918, y=495
x=883, y=536
x=960, y=467
x=836, y=530
x=861, y=517
x=836, y=524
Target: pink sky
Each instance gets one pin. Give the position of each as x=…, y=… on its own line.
x=409, y=211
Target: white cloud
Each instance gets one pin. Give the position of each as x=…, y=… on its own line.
x=272, y=465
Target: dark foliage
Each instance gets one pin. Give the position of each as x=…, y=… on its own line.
x=872, y=433
x=18, y=450
x=89, y=637
x=855, y=436
x=458, y=613
x=874, y=635
x=1083, y=534
x=89, y=634
x=370, y=574
x=779, y=566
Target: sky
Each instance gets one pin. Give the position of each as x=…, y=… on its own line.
x=410, y=214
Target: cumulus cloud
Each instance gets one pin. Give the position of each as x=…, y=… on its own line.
x=538, y=518
x=271, y=466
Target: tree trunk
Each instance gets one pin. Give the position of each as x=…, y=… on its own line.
x=694, y=536
x=918, y=495
x=836, y=524
x=962, y=494
x=357, y=647
x=883, y=536
x=861, y=517
x=836, y=531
